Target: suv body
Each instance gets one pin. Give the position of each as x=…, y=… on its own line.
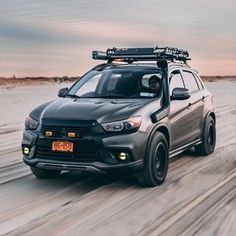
x=110, y=121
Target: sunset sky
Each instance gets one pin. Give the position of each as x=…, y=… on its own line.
x=56, y=37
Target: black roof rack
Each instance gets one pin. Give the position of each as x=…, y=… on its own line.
x=142, y=54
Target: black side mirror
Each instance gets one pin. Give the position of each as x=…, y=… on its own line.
x=180, y=94
x=62, y=92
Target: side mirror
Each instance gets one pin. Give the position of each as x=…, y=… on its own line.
x=180, y=94
x=62, y=92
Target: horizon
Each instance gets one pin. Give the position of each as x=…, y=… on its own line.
x=56, y=38
x=79, y=76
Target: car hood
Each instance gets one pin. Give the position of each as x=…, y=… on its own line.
x=101, y=110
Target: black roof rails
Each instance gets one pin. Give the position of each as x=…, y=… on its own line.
x=142, y=54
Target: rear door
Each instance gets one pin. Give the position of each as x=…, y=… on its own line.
x=180, y=118
x=196, y=104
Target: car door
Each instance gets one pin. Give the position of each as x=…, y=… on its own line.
x=180, y=118
x=196, y=105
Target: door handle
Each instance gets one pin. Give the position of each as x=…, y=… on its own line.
x=203, y=98
x=189, y=105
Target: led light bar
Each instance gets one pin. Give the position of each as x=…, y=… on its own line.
x=142, y=54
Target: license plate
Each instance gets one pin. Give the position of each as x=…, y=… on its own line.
x=62, y=146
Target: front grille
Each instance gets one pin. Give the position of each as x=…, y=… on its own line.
x=84, y=151
x=63, y=131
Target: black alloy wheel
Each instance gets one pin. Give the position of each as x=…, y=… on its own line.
x=156, y=162
x=208, y=139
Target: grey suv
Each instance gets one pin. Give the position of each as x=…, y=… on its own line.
x=132, y=113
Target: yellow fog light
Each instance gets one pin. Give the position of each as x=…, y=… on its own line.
x=123, y=156
x=48, y=133
x=71, y=135
x=26, y=150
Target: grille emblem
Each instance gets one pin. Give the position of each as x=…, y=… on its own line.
x=63, y=131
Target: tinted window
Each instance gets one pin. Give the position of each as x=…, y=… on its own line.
x=176, y=81
x=190, y=82
x=200, y=85
x=120, y=83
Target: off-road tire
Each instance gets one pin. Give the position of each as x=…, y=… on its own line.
x=156, y=162
x=208, y=138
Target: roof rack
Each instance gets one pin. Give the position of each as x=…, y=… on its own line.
x=142, y=54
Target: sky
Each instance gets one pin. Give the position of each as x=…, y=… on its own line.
x=56, y=37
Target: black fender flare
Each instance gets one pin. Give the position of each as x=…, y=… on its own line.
x=209, y=113
x=159, y=127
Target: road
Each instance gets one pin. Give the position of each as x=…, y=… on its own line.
x=198, y=197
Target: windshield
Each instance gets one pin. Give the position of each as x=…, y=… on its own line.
x=119, y=83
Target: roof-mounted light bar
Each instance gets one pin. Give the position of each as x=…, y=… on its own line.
x=142, y=54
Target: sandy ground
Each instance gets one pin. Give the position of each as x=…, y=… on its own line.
x=198, y=197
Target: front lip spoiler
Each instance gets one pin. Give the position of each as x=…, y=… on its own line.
x=93, y=167
x=63, y=166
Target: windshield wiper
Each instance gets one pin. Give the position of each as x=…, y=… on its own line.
x=72, y=96
x=111, y=96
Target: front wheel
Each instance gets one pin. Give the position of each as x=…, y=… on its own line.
x=156, y=162
x=44, y=174
x=209, y=138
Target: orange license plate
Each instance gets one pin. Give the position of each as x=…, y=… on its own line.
x=62, y=146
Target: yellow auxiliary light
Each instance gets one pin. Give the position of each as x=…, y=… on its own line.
x=26, y=150
x=48, y=133
x=71, y=135
x=123, y=156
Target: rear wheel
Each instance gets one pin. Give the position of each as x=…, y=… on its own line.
x=156, y=162
x=44, y=174
x=209, y=138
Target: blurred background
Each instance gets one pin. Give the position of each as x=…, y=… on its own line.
x=56, y=37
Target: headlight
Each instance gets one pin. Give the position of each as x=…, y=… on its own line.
x=31, y=123
x=131, y=124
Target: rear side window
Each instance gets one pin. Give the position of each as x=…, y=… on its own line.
x=190, y=82
x=200, y=84
x=176, y=81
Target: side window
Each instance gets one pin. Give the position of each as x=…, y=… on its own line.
x=190, y=82
x=200, y=84
x=175, y=81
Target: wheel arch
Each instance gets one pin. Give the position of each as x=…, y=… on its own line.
x=209, y=113
x=164, y=129
x=144, y=176
x=212, y=113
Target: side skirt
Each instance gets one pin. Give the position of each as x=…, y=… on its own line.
x=184, y=147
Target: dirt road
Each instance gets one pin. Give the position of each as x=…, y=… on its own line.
x=198, y=197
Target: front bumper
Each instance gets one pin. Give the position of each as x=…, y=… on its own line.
x=94, y=153
x=94, y=167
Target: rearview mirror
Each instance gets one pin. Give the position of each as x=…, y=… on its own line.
x=62, y=92
x=180, y=94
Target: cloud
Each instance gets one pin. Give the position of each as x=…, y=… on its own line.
x=57, y=36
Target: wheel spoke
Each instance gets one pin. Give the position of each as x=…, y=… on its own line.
x=211, y=136
x=160, y=159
